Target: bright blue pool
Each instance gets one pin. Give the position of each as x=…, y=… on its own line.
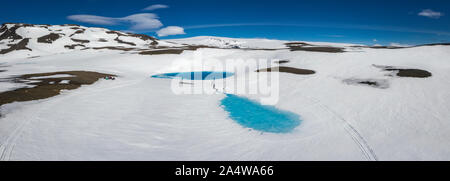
x=195, y=75
x=259, y=117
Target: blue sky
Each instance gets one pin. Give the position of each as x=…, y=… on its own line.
x=354, y=21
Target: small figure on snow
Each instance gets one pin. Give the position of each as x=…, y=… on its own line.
x=110, y=78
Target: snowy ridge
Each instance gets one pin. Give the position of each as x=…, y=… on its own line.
x=254, y=43
x=38, y=40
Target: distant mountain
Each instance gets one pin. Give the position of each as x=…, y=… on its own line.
x=28, y=40
x=49, y=39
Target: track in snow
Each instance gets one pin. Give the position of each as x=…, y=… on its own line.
x=365, y=148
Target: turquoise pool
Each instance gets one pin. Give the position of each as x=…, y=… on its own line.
x=259, y=117
x=195, y=75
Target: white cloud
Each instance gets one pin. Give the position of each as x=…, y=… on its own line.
x=138, y=22
x=156, y=6
x=92, y=19
x=431, y=14
x=171, y=30
x=143, y=21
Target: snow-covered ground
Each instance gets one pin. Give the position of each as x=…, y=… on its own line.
x=137, y=117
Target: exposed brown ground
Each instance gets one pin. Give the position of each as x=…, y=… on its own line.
x=395, y=47
x=10, y=33
x=288, y=70
x=73, y=46
x=282, y=61
x=297, y=44
x=161, y=52
x=375, y=83
x=22, y=45
x=124, y=42
x=44, y=89
x=386, y=47
x=436, y=44
x=112, y=48
x=415, y=73
x=318, y=49
x=102, y=40
x=3, y=29
x=50, y=38
x=173, y=50
x=81, y=31
x=406, y=72
x=140, y=36
x=300, y=46
x=379, y=47
x=143, y=37
x=118, y=33
x=80, y=41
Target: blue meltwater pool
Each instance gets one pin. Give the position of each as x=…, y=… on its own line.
x=248, y=113
x=195, y=75
x=259, y=117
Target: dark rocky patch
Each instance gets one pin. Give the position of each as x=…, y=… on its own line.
x=261, y=49
x=10, y=33
x=124, y=42
x=300, y=46
x=386, y=47
x=3, y=28
x=318, y=49
x=1, y=66
x=288, y=70
x=118, y=33
x=396, y=47
x=297, y=44
x=143, y=37
x=73, y=46
x=162, y=52
x=22, y=45
x=372, y=83
x=140, y=36
x=112, y=48
x=80, y=41
x=375, y=83
x=102, y=40
x=406, y=72
x=415, y=73
x=44, y=89
x=50, y=38
x=436, y=44
x=282, y=61
x=377, y=47
x=160, y=47
x=196, y=47
x=81, y=31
